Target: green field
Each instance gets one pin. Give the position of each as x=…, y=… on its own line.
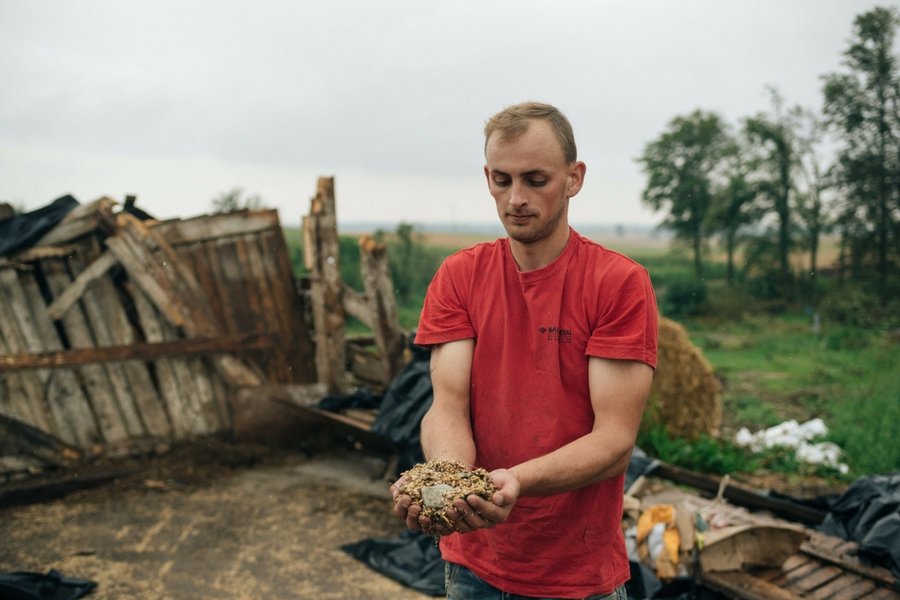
x=774, y=359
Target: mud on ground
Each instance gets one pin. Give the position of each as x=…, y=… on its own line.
x=216, y=520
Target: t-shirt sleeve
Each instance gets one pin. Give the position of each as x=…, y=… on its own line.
x=445, y=317
x=627, y=321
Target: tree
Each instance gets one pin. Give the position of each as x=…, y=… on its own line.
x=235, y=199
x=681, y=166
x=732, y=209
x=812, y=209
x=863, y=107
x=774, y=138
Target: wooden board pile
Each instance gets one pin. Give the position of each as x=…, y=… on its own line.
x=117, y=332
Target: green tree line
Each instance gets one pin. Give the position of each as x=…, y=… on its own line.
x=762, y=189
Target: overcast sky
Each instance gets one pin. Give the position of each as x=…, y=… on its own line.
x=179, y=101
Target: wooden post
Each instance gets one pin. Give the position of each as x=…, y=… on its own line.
x=321, y=251
x=376, y=276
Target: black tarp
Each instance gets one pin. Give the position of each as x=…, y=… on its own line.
x=24, y=585
x=868, y=513
x=22, y=231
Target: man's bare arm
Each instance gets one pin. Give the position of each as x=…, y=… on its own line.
x=446, y=427
x=619, y=390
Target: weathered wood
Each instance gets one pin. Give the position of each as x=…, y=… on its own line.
x=71, y=294
x=298, y=351
x=740, y=495
x=262, y=306
x=99, y=308
x=211, y=227
x=155, y=267
x=93, y=377
x=366, y=366
x=357, y=305
x=80, y=221
x=36, y=253
x=71, y=409
x=183, y=414
x=42, y=490
x=320, y=230
x=744, y=586
x=239, y=342
x=821, y=548
x=376, y=275
x=17, y=331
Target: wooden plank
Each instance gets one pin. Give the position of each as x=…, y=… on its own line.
x=743, y=586
x=289, y=306
x=155, y=267
x=263, y=306
x=357, y=305
x=71, y=294
x=17, y=328
x=326, y=286
x=376, y=275
x=837, y=555
x=211, y=227
x=240, y=342
x=68, y=403
x=220, y=289
x=80, y=221
x=740, y=495
x=98, y=308
x=883, y=594
x=182, y=415
x=834, y=586
x=856, y=591
x=819, y=577
x=93, y=377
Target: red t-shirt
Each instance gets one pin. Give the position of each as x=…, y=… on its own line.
x=529, y=396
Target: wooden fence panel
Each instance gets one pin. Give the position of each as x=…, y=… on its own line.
x=63, y=389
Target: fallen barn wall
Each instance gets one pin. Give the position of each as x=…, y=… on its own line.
x=115, y=330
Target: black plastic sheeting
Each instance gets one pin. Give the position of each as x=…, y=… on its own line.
x=868, y=513
x=22, y=231
x=23, y=585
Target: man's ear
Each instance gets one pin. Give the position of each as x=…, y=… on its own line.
x=575, y=178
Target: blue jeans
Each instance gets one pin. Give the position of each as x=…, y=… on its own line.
x=463, y=584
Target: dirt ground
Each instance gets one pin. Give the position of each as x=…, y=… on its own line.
x=215, y=520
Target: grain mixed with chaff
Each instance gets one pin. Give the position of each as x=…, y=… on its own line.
x=437, y=483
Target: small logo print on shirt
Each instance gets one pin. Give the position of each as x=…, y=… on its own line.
x=556, y=334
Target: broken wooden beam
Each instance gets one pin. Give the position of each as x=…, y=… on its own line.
x=740, y=495
x=376, y=275
x=139, y=351
x=71, y=294
x=321, y=252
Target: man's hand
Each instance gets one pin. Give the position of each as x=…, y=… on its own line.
x=411, y=513
x=477, y=513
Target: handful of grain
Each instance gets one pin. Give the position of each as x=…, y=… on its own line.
x=437, y=483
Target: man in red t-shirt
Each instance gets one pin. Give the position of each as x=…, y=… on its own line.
x=543, y=349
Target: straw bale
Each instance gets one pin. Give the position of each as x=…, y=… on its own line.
x=685, y=397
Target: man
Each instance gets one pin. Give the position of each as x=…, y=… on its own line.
x=543, y=350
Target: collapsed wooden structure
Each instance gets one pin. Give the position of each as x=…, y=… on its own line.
x=119, y=333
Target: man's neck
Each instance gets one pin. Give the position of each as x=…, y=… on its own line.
x=537, y=255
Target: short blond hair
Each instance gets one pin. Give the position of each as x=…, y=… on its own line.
x=513, y=121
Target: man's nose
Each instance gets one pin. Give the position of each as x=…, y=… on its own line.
x=517, y=194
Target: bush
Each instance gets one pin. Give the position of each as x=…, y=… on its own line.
x=684, y=298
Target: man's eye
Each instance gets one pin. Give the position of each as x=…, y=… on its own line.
x=537, y=182
x=501, y=182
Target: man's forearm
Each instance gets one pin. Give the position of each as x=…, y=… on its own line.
x=587, y=460
x=447, y=436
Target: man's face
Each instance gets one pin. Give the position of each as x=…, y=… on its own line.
x=531, y=182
